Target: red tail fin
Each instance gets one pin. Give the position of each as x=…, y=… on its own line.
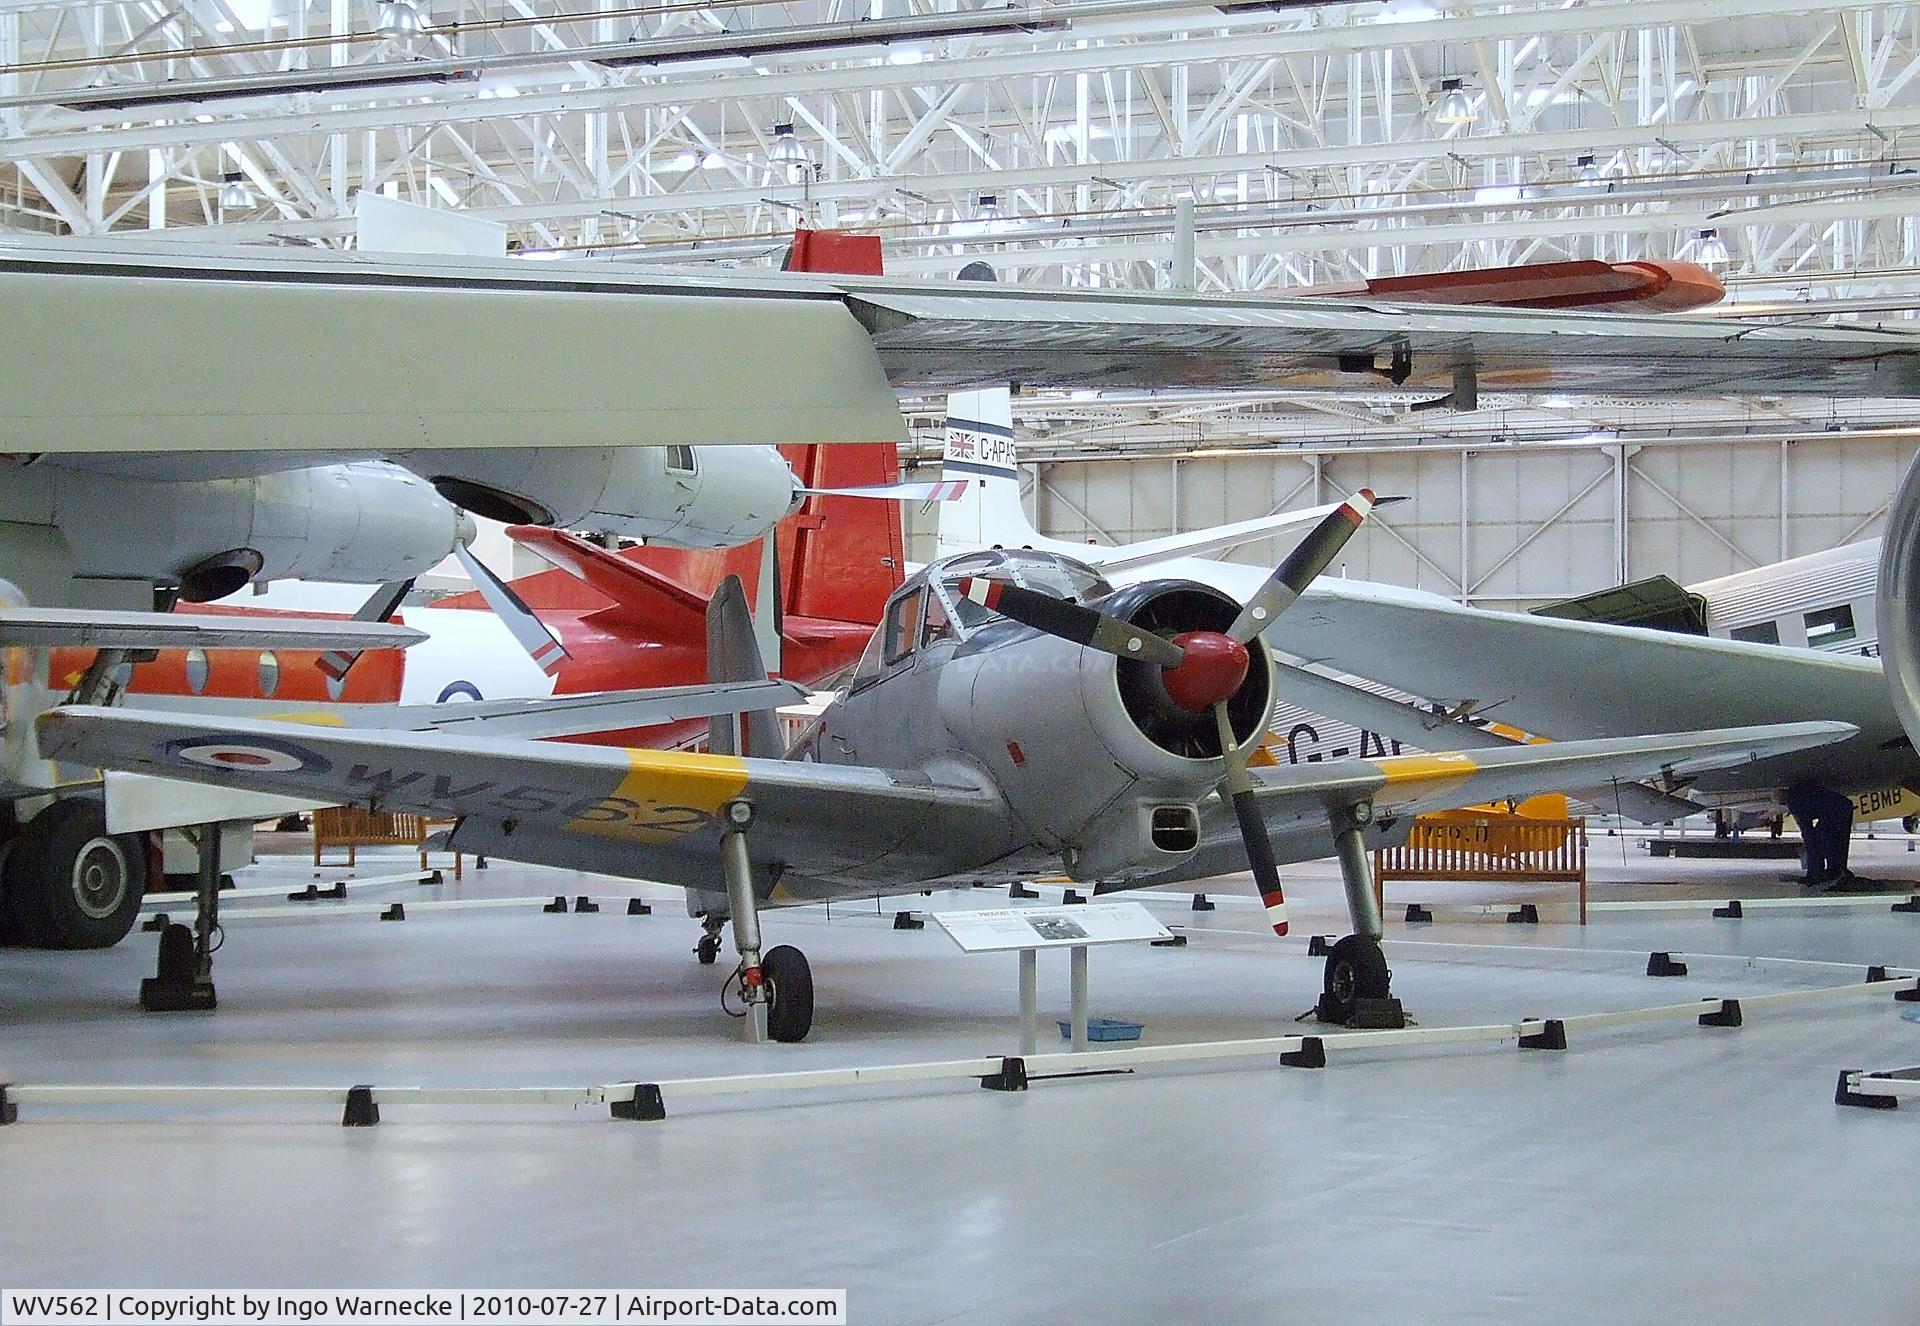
x=839, y=251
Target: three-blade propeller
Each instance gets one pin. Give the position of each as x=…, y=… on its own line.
x=1202, y=670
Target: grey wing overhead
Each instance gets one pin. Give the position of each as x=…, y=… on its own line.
x=57, y=627
x=778, y=359
x=1566, y=679
x=942, y=339
x=623, y=811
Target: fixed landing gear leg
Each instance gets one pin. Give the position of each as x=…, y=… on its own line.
x=183, y=978
x=738, y=867
x=1356, y=990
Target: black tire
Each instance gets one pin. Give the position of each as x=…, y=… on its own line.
x=707, y=950
x=71, y=884
x=9, y=919
x=1356, y=970
x=790, y=988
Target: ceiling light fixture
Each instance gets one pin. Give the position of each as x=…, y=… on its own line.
x=400, y=23
x=234, y=193
x=788, y=158
x=1709, y=250
x=1454, y=106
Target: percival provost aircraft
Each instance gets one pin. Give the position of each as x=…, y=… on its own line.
x=1475, y=664
x=1013, y=714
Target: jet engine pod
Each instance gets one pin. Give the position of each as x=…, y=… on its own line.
x=222, y=574
x=690, y=497
x=1898, y=609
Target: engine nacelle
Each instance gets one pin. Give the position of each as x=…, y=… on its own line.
x=690, y=497
x=358, y=523
x=1096, y=759
x=1898, y=608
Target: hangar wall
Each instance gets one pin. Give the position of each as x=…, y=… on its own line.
x=1539, y=523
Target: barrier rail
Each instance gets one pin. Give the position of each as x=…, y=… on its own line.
x=1879, y=1090
x=643, y=1099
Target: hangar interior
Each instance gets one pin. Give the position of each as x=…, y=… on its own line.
x=1603, y=1100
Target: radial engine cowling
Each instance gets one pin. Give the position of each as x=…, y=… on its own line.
x=1898, y=609
x=690, y=497
x=1093, y=753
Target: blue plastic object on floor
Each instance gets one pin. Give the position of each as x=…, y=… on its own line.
x=1105, y=1029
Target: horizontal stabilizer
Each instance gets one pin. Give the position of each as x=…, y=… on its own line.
x=939, y=490
x=574, y=715
x=52, y=628
x=642, y=598
x=1201, y=542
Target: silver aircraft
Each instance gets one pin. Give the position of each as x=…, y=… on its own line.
x=1014, y=715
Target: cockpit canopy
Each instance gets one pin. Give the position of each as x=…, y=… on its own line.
x=935, y=604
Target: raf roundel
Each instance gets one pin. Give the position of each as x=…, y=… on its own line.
x=249, y=754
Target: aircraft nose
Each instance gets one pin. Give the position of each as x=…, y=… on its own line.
x=1211, y=671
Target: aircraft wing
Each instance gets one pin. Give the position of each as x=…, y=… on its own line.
x=934, y=338
x=618, y=810
x=49, y=628
x=1296, y=801
x=1566, y=679
x=735, y=357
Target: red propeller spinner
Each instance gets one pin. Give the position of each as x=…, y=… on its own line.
x=1212, y=666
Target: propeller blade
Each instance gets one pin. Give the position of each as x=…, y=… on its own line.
x=1238, y=786
x=1072, y=621
x=527, y=629
x=335, y=664
x=1291, y=578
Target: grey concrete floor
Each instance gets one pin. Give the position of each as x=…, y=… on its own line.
x=1666, y=1172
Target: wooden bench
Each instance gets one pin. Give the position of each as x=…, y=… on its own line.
x=353, y=828
x=1458, y=847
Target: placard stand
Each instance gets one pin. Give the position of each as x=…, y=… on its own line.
x=1027, y=930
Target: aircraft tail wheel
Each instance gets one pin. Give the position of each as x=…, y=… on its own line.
x=1356, y=970
x=790, y=989
x=71, y=884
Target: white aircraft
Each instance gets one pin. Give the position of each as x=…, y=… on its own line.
x=1473, y=665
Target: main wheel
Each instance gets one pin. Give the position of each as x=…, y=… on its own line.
x=1356, y=970
x=790, y=992
x=70, y=883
